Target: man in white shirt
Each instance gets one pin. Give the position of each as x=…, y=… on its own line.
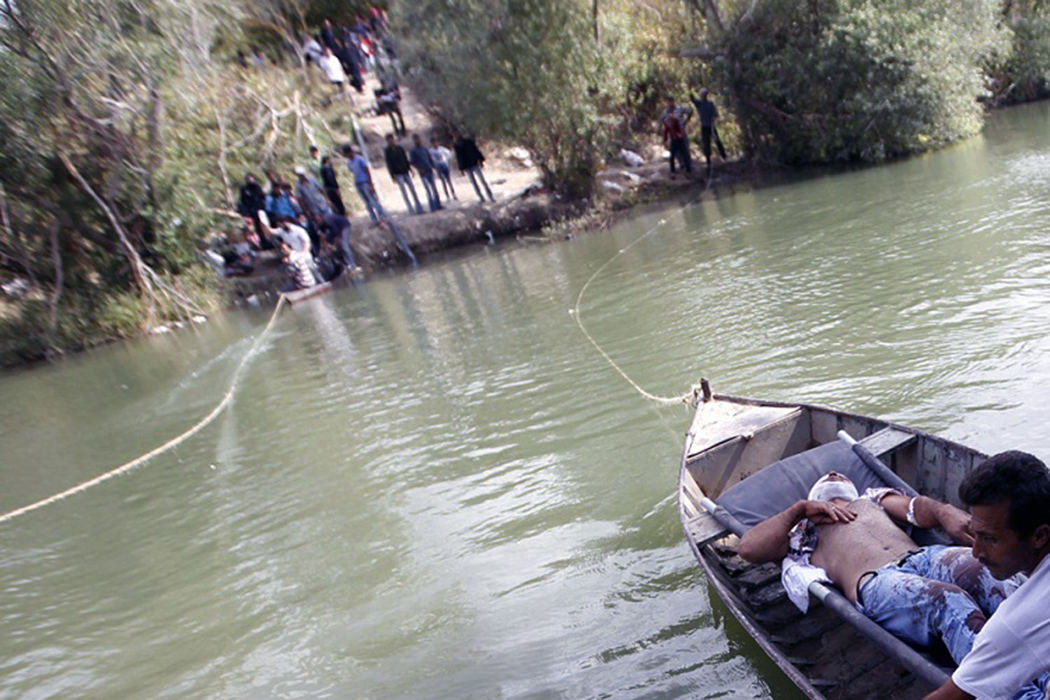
x=295, y=235
x=440, y=155
x=333, y=70
x=1009, y=499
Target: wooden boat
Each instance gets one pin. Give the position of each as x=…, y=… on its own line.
x=827, y=653
x=341, y=280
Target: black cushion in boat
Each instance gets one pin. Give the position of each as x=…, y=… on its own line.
x=776, y=487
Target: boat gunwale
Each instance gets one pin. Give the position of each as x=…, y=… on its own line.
x=729, y=597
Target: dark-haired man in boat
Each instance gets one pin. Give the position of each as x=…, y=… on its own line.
x=1009, y=498
x=919, y=594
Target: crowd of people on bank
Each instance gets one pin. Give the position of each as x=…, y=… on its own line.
x=305, y=217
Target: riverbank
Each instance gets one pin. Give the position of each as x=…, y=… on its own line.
x=535, y=213
x=522, y=207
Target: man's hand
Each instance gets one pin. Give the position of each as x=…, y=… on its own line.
x=826, y=512
x=768, y=541
x=956, y=523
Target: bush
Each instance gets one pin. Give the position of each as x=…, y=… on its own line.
x=857, y=79
x=1023, y=74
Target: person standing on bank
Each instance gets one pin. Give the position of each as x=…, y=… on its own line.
x=251, y=201
x=331, y=186
x=401, y=172
x=471, y=160
x=362, y=171
x=1009, y=499
x=420, y=158
x=674, y=120
x=708, y=114
x=333, y=70
x=440, y=155
x=310, y=195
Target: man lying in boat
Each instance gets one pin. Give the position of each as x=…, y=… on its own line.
x=919, y=594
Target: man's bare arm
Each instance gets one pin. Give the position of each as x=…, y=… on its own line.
x=768, y=541
x=930, y=513
x=949, y=691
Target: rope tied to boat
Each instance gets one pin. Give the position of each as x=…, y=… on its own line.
x=688, y=397
x=170, y=444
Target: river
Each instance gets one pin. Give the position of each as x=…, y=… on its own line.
x=431, y=485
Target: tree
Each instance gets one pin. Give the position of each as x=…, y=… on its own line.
x=526, y=70
x=82, y=139
x=1023, y=73
x=828, y=80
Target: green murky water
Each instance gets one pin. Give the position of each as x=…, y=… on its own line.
x=432, y=486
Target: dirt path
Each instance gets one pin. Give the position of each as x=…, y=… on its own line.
x=506, y=175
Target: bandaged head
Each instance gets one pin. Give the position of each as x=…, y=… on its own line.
x=833, y=485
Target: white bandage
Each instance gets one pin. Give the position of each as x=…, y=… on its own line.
x=911, y=512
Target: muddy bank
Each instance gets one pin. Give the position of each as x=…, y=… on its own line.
x=620, y=191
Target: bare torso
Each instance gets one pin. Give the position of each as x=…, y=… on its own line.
x=848, y=550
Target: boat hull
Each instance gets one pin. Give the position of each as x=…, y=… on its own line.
x=732, y=438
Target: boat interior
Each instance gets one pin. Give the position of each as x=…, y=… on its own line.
x=827, y=652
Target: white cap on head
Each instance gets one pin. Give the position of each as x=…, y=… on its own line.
x=828, y=488
x=300, y=170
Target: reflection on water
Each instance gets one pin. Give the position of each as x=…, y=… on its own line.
x=430, y=485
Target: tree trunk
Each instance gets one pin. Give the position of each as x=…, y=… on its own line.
x=138, y=268
x=56, y=296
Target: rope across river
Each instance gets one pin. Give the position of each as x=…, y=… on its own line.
x=227, y=398
x=170, y=444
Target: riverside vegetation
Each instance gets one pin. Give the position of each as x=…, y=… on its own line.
x=125, y=126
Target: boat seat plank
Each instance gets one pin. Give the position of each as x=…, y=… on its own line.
x=705, y=528
x=759, y=576
x=765, y=597
x=887, y=441
x=718, y=421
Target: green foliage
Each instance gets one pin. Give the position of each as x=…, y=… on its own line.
x=1023, y=74
x=572, y=80
x=857, y=79
x=644, y=41
x=119, y=112
x=525, y=70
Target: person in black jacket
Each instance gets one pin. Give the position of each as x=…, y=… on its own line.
x=252, y=200
x=331, y=185
x=470, y=160
x=398, y=166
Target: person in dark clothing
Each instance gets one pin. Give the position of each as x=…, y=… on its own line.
x=674, y=120
x=400, y=170
x=331, y=185
x=351, y=66
x=470, y=160
x=388, y=101
x=336, y=230
x=708, y=114
x=251, y=201
x=420, y=159
x=328, y=35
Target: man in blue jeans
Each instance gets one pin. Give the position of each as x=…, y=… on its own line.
x=362, y=172
x=401, y=172
x=919, y=594
x=420, y=158
x=471, y=160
